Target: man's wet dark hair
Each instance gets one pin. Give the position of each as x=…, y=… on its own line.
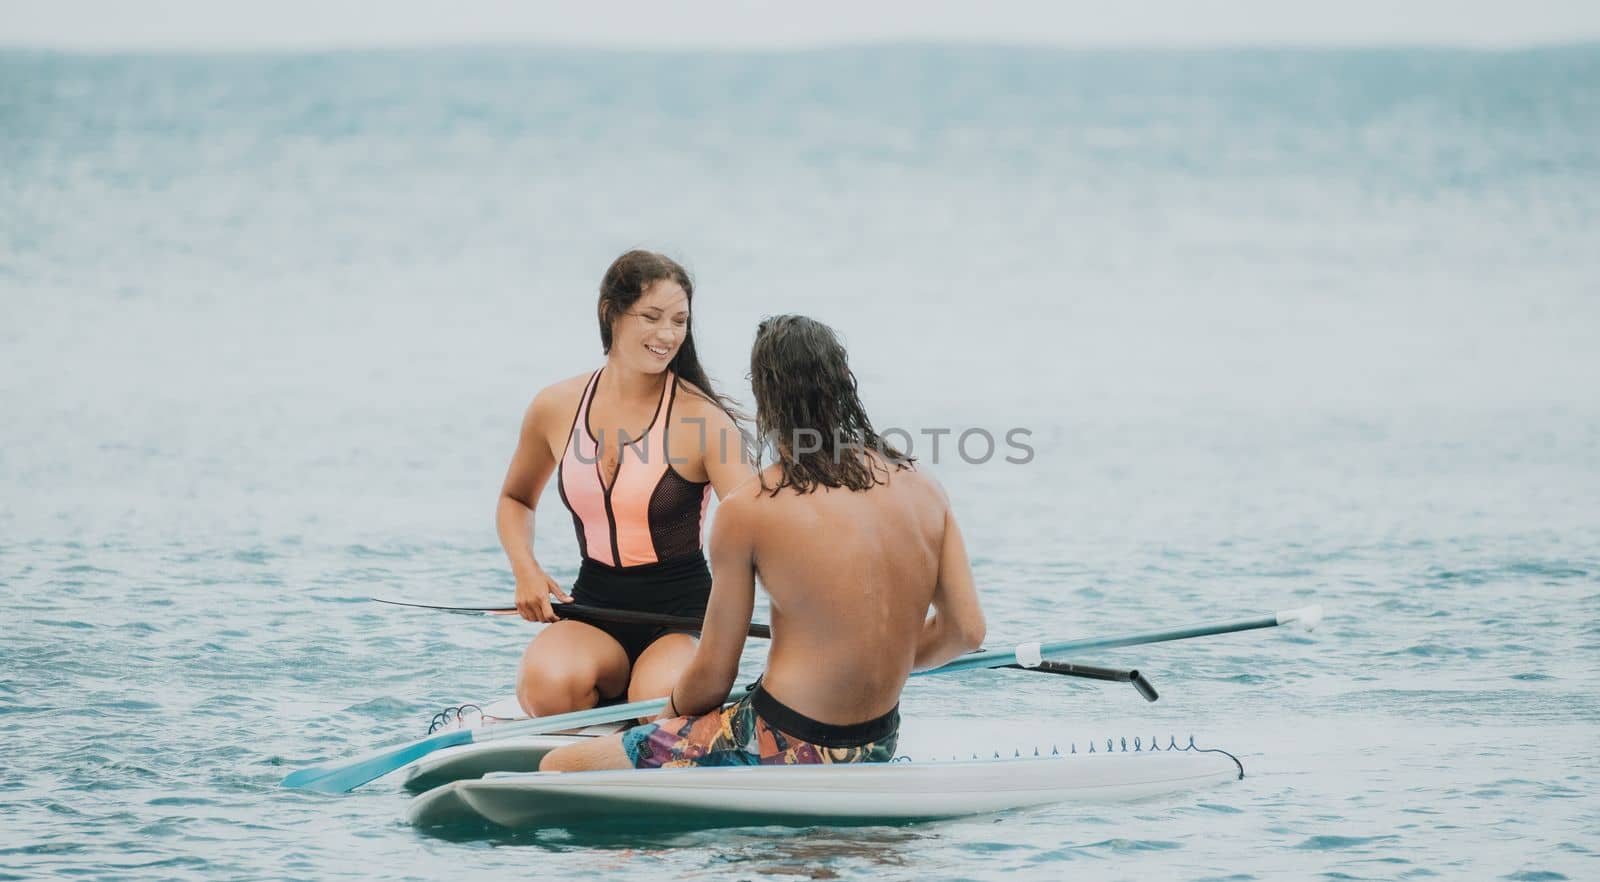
x=809, y=409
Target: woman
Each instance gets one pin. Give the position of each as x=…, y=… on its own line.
x=636, y=448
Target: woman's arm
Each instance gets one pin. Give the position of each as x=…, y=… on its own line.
x=726, y=463
x=530, y=470
x=717, y=446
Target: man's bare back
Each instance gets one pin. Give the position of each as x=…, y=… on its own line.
x=851, y=575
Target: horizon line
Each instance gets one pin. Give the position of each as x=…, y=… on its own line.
x=398, y=46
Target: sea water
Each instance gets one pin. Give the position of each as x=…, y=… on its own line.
x=1276, y=327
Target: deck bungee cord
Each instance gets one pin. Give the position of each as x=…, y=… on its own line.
x=1111, y=747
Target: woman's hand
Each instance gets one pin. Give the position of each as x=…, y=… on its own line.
x=533, y=596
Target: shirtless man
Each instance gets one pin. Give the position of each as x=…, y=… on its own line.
x=854, y=546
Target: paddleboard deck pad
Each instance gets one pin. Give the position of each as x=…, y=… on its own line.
x=875, y=793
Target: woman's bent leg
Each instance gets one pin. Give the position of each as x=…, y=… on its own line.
x=657, y=669
x=569, y=666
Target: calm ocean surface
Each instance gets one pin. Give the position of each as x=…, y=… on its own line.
x=1284, y=327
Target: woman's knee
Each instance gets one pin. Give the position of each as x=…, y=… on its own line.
x=569, y=667
x=544, y=691
x=659, y=667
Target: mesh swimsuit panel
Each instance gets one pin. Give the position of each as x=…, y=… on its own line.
x=677, y=508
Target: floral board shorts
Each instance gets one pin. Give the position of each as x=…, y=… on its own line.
x=758, y=730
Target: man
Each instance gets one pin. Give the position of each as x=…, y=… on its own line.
x=854, y=546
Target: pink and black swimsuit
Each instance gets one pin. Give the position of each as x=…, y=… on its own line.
x=640, y=536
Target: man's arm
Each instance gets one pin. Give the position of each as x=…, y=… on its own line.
x=704, y=684
x=956, y=626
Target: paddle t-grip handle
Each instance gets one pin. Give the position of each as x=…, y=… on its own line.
x=1143, y=685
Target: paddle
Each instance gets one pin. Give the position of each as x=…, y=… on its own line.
x=345, y=775
x=1307, y=617
x=1073, y=669
x=579, y=612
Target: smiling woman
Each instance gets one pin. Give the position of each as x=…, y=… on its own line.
x=636, y=447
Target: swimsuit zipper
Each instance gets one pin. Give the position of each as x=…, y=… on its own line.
x=611, y=517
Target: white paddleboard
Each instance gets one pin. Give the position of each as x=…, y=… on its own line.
x=866, y=793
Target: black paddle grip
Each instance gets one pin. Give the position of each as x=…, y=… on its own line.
x=1091, y=672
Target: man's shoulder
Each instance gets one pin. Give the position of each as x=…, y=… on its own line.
x=764, y=496
x=745, y=499
x=738, y=516
x=908, y=478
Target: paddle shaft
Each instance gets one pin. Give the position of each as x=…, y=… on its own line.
x=581, y=613
x=999, y=658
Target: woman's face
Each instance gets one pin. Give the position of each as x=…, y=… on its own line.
x=648, y=335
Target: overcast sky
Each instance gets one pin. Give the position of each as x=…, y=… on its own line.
x=217, y=24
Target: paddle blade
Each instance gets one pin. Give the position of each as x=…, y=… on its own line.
x=346, y=775
x=1307, y=617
